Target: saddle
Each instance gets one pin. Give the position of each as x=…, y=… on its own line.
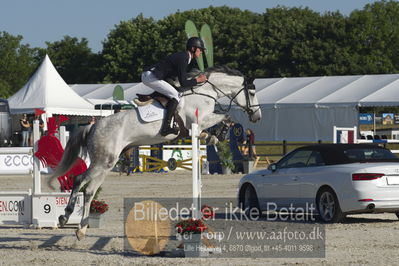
x=146, y=99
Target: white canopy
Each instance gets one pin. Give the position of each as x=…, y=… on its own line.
x=48, y=91
x=306, y=109
x=103, y=93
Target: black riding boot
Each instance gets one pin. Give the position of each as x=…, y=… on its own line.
x=170, y=110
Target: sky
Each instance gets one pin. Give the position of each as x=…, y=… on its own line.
x=41, y=21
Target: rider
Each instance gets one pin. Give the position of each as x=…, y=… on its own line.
x=174, y=65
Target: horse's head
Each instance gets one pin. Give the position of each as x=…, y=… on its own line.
x=241, y=91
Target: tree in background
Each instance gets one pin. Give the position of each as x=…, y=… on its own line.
x=17, y=63
x=74, y=60
x=237, y=37
x=301, y=42
x=129, y=47
x=280, y=42
x=139, y=42
x=373, y=35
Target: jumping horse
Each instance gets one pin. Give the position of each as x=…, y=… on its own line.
x=104, y=141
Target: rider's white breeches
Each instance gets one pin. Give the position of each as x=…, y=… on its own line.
x=161, y=86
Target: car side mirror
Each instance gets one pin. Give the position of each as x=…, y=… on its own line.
x=272, y=167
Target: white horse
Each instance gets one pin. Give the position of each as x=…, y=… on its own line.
x=105, y=140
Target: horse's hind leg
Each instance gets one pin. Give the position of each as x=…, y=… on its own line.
x=78, y=183
x=96, y=179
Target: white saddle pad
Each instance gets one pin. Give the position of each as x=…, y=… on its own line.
x=152, y=112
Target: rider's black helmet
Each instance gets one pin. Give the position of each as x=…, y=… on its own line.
x=195, y=42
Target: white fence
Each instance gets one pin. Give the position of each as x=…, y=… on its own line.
x=349, y=135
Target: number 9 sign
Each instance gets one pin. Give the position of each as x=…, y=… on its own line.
x=47, y=208
x=44, y=208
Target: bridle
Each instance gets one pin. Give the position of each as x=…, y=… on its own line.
x=246, y=89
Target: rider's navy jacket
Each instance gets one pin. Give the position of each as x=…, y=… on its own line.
x=174, y=65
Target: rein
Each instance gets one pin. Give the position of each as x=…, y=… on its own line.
x=216, y=89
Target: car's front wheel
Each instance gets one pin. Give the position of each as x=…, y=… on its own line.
x=328, y=206
x=250, y=203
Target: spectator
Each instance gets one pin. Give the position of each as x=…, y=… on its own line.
x=249, y=144
x=92, y=120
x=236, y=131
x=41, y=125
x=25, y=130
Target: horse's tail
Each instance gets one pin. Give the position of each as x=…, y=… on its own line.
x=77, y=145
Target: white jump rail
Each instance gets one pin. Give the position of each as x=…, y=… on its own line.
x=16, y=150
x=196, y=173
x=382, y=141
x=356, y=140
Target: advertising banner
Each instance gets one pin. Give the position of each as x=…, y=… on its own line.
x=16, y=160
x=15, y=208
x=366, y=119
x=387, y=119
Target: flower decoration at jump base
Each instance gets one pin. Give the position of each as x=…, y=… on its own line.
x=98, y=206
x=190, y=226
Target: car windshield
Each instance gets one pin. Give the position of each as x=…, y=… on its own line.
x=369, y=154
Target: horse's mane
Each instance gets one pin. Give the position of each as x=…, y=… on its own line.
x=196, y=72
x=222, y=69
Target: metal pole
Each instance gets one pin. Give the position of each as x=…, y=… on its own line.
x=284, y=147
x=374, y=130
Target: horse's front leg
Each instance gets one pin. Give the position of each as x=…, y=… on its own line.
x=211, y=120
x=209, y=138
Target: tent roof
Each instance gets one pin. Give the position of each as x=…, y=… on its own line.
x=99, y=91
x=357, y=90
x=298, y=109
x=103, y=93
x=48, y=91
x=363, y=90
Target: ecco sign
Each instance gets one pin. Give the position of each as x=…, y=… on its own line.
x=14, y=162
x=18, y=160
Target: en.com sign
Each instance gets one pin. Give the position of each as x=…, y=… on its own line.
x=15, y=160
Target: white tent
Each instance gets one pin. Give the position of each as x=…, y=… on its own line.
x=103, y=93
x=306, y=109
x=293, y=109
x=48, y=91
